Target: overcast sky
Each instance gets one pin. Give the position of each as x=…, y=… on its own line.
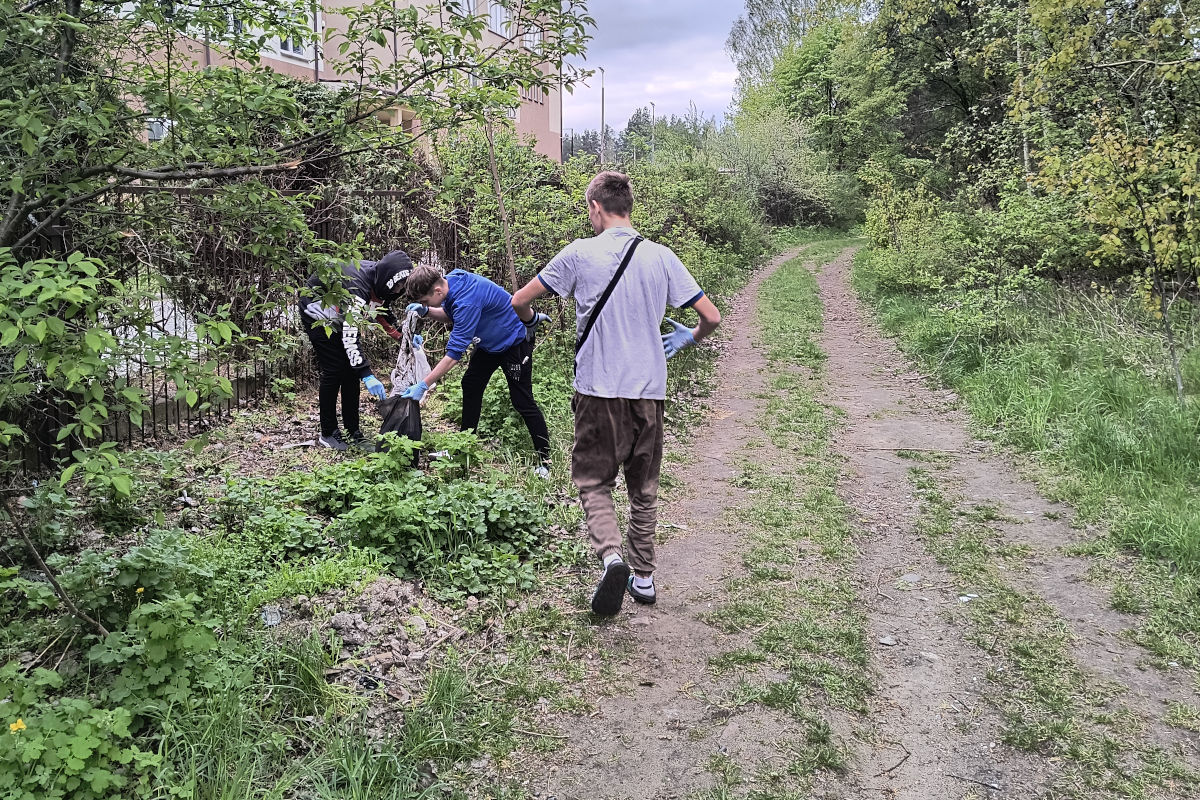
x=668, y=51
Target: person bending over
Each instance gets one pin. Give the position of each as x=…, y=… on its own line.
x=337, y=345
x=481, y=312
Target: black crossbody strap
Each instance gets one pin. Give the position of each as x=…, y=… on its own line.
x=608, y=290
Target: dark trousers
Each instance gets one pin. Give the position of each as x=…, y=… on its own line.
x=337, y=376
x=517, y=364
x=614, y=434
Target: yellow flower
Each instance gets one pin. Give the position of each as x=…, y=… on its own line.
x=19, y=725
x=141, y=589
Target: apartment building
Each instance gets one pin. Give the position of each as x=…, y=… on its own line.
x=539, y=115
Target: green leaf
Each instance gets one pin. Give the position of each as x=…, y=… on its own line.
x=122, y=485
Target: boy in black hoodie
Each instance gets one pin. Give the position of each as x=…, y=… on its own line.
x=373, y=286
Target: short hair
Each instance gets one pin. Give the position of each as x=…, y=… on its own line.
x=613, y=191
x=421, y=281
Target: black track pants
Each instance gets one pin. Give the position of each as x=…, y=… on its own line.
x=517, y=364
x=337, y=376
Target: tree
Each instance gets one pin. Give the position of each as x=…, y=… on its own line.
x=72, y=122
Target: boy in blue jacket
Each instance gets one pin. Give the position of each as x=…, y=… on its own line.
x=481, y=312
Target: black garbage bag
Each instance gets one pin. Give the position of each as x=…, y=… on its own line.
x=401, y=416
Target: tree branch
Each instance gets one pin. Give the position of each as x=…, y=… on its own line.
x=49, y=573
x=197, y=171
x=1146, y=62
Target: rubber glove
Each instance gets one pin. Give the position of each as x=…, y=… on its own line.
x=679, y=338
x=416, y=391
x=417, y=308
x=532, y=325
x=418, y=341
x=375, y=387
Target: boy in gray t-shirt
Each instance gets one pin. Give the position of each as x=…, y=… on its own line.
x=621, y=376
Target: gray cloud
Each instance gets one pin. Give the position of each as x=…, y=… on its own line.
x=671, y=52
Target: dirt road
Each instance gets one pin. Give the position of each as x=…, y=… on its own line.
x=945, y=646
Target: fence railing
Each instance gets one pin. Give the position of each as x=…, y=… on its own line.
x=182, y=260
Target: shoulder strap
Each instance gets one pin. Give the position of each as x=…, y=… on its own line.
x=608, y=290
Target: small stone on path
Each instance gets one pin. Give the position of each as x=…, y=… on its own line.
x=887, y=641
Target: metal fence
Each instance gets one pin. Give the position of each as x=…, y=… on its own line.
x=184, y=259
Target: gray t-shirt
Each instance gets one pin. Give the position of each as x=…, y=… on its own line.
x=623, y=356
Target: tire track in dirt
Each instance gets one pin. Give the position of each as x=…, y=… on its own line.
x=930, y=699
x=655, y=737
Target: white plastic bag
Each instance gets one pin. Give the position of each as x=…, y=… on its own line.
x=412, y=365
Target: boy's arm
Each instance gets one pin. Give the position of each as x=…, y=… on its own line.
x=710, y=317
x=437, y=373
x=522, y=301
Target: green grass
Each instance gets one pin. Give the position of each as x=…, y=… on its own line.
x=1081, y=384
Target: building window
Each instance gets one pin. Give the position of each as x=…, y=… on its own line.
x=296, y=46
x=293, y=47
x=499, y=17
x=533, y=39
x=157, y=129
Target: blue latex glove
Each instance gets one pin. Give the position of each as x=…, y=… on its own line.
x=416, y=391
x=531, y=326
x=375, y=387
x=418, y=340
x=417, y=308
x=679, y=338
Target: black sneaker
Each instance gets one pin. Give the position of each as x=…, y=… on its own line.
x=640, y=595
x=334, y=441
x=610, y=591
x=359, y=442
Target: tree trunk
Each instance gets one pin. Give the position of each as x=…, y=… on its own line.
x=508, y=248
x=1164, y=307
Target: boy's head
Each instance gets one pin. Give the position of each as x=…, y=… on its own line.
x=609, y=197
x=426, y=286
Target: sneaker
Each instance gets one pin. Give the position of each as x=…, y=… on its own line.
x=359, y=442
x=334, y=441
x=610, y=591
x=642, y=594
x=542, y=472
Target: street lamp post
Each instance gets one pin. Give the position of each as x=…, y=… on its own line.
x=602, y=115
x=651, y=130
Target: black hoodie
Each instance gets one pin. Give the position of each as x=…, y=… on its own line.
x=373, y=287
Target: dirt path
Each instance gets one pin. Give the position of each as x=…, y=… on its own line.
x=930, y=697
x=933, y=728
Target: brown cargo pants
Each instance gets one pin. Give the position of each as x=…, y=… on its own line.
x=611, y=434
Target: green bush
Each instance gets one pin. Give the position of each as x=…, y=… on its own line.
x=110, y=585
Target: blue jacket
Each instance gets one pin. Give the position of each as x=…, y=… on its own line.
x=479, y=309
